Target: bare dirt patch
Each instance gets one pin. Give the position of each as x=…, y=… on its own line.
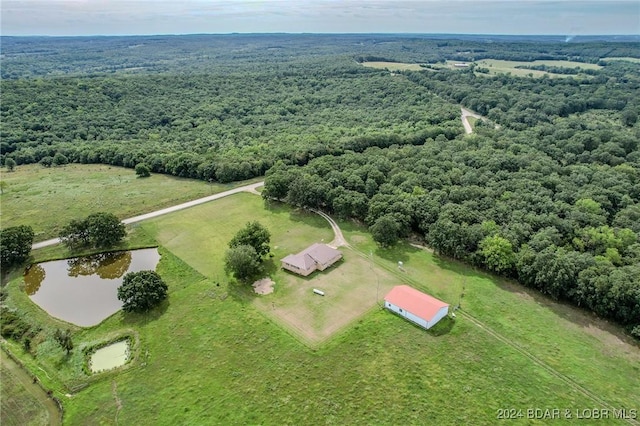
x=263, y=286
x=352, y=287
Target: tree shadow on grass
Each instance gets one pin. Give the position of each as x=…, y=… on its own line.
x=565, y=310
x=143, y=318
x=397, y=253
x=275, y=206
x=443, y=327
x=459, y=267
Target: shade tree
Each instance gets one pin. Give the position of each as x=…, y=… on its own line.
x=242, y=262
x=142, y=291
x=15, y=245
x=98, y=230
x=255, y=235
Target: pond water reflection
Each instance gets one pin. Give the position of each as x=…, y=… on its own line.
x=84, y=290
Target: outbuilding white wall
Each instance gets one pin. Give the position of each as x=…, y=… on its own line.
x=415, y=319
x=441, y=314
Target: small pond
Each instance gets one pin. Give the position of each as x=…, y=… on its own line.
x=84, y=290
x=111, y=356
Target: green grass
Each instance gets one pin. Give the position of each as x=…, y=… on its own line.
x=498, y=66
x=208, y=356
x=573, y=342
x=351, y=285
x=627, y=59
x=48, y=198
x=393, y=66
x=200, y=235
x=21, y=403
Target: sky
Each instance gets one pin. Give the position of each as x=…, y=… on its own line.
x=128, y=17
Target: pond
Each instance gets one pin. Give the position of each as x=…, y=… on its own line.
x=111, y=356
x=84, y=290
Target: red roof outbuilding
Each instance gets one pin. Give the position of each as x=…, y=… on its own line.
x=414, y=301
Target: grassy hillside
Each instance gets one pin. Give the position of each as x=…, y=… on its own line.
x=48, y=198
x=22, y=402
x=209, y=356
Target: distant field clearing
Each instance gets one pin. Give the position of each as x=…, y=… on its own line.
x=635, y=60
x=393, y=66
x=497, y=66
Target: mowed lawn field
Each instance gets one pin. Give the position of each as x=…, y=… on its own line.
x=352, y=287
x=211, y=355
x=48, y=198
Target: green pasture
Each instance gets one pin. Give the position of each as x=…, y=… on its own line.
x=210, y=355
x=200, y=235
x=21, y=402
x=293, y=306
x=627, y=59
x=498, y=66
x=575, y=343
x=48, y=198
x=393, y=66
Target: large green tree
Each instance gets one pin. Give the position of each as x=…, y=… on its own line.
x=99, y=230
x=141, y=291
x=142, y=170
x=497, y=254
x=15, y=245
x=254, y=234
x=59, y=159
x=242, y=261
x=385, y=231
x=10, y=164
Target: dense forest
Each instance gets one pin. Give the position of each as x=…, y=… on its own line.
x=546, y=190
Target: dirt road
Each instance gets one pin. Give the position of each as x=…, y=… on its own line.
x=465, y=119
x=338, y=239
x=246, y=188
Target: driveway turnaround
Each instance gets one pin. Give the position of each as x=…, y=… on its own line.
x=465, y=119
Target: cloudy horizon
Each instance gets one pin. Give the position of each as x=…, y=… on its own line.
x=146, y=17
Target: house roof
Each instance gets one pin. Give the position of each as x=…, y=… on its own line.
x=321, y=253
x=300, y=261
x=414, y=301
x=307, y=258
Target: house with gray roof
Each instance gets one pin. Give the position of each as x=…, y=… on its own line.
x=315, y=257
